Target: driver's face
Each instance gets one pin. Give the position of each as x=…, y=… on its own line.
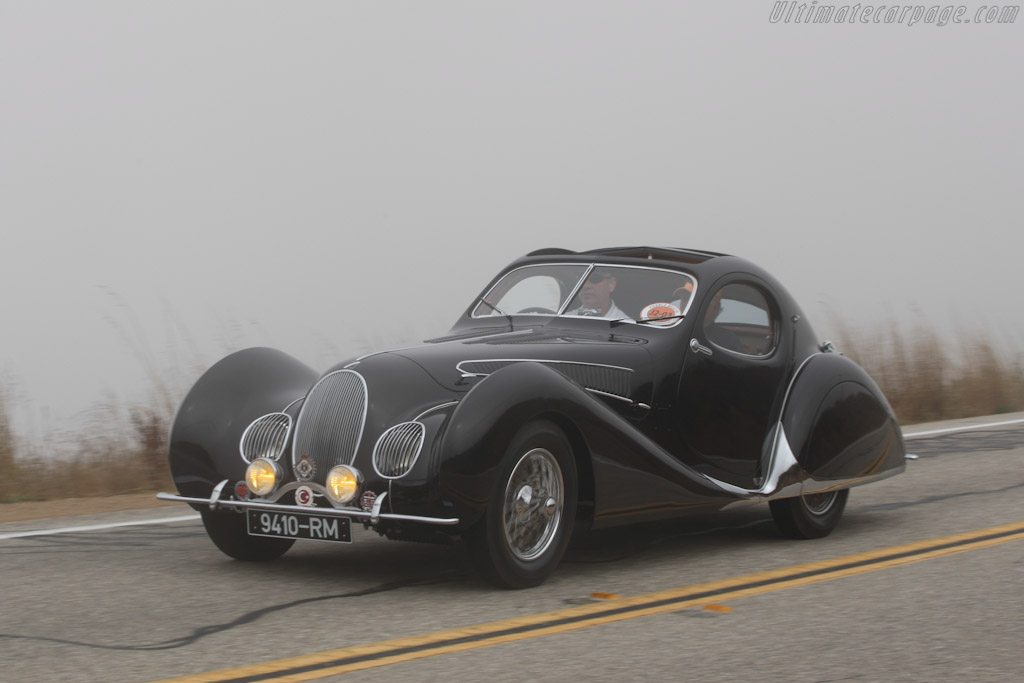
x=597, y=292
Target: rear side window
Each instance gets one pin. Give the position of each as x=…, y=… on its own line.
x=740, y=319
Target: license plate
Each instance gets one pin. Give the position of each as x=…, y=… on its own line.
x=304, y=525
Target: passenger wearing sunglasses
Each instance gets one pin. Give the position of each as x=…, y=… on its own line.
x=596, y=297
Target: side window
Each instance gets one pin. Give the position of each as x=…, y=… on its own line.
x=740, y=319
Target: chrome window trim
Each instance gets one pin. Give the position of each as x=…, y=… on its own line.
x=683, y=312
x=777, y=326
x=487, y=294
x=419, y=448
x=579, y=285
x=437, y=407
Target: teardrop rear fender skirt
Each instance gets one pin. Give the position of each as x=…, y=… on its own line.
x=838, y=423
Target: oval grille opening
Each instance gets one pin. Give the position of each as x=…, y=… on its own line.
x=266, y=437
x=397, y=449
x=330, y=425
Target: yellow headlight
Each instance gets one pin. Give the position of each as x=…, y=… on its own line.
x=262, y=476
x=343, y=483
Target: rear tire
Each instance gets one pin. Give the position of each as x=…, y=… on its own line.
x=529, y=519
x=228, y=532
x=814, y=515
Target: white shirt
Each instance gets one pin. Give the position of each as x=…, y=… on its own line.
x=614, y=312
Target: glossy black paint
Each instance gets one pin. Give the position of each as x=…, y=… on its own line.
x=691, y=432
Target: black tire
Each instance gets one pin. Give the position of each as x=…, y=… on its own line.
x=529, y=519
x=228, y=532
x=812, y=516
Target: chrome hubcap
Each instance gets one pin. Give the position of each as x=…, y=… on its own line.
x=533, y=504
x=820, y=503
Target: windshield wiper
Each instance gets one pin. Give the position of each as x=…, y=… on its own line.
x=643, y=321
x=497, y=310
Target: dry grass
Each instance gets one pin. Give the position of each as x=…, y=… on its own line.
x=113, y=452
x=118, y=450
x=926, y=379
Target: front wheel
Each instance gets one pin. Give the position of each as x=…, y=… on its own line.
x=529, y=519
x=228, y=532
x=814, y=515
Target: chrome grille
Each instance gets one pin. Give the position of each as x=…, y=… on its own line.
x=609, y=379
x=330, y=425
x=397, y=449
x=266, y=437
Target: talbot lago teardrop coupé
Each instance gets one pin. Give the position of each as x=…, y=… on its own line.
x=596, y=388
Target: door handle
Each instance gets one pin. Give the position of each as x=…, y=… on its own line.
x=697, y=347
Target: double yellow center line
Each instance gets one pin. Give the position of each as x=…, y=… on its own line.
x=333, y=662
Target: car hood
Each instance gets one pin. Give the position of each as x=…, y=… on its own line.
x=616, y=366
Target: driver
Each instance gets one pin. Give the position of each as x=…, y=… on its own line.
x=596, y=296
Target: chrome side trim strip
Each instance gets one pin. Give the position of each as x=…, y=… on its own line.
x=491, y=335
x=781, y=462
x=607, y=380
x=437, y=407
x=331, y=512
x=458, y=366
x=615, y=396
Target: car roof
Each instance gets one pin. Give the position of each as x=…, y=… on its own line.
x=675, y=254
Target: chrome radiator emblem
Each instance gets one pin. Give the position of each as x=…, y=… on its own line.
x=368, y=500
x=304, y=468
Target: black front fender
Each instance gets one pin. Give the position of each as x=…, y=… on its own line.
x=633, y=477
x=205, y=436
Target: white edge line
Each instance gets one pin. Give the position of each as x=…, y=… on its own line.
x=95, y=527
x=962, y=429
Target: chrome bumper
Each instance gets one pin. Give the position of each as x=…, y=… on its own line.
x=215, y=502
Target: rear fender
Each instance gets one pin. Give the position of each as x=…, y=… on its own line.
x=839, y=425
x=205, y=436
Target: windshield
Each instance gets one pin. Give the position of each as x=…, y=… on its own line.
x=627, y=293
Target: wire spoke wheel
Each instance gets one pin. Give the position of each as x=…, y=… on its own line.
x=526, y=528
x=813, y=515
x=533, y=504
x=819, y=504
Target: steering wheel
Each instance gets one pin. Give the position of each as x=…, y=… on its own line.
x=536, y=309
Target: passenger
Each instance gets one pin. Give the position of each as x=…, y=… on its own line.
x=596, y=297
x=683, y=296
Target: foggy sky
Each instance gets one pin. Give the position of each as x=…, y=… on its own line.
x=180, y=180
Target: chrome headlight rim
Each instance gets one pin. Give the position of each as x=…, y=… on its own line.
x=355, y=475
x=275, y=470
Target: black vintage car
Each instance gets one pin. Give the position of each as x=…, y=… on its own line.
x=602, y=388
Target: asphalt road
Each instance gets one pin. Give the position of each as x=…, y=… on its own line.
x=153, y=600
